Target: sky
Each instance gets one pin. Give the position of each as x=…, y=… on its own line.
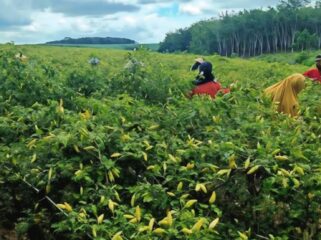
x=145, y=21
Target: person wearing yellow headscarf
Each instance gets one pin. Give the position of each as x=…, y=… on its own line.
x=285, y=93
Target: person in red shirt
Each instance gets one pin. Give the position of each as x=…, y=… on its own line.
x=205, y=81
x=315, y=73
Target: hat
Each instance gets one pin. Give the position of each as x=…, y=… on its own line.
x=318, y=58
x=199, y=60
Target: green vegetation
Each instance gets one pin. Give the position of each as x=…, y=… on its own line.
x=304, y=58
x=126, y=156
x=291, y=26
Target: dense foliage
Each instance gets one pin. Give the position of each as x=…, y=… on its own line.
x=126, y=156
x=292, y=25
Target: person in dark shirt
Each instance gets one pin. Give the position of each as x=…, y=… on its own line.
x=205, y=80
x=315, y=73
x=205, y=71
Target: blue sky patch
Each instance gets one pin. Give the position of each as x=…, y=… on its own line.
x=170, y=11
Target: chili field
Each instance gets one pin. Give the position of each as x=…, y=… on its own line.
x=116, y=151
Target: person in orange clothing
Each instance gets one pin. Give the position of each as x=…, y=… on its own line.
x=285, y=93
x=315, y=73
x=205, y=80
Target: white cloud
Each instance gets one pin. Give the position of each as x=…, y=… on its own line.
x=36, y=21
x=194, y=8
x=190, y=9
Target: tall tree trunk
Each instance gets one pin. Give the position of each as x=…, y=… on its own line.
x=268, y=43
x=275, y=43
x=254, y=46
x=249, y=49
x=293, y=31
x=261, y=44
x=232, y=45
x=318, y=32
x=219, y=45
x=244, y=47
x=237, y=44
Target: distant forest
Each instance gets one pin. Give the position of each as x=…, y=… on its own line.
x=93, y=40
x=294, y=25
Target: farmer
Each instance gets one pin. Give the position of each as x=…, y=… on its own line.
x=285, y=93
x=315, y=73
x=94, y=61
x=21, y=57
x=205, y=80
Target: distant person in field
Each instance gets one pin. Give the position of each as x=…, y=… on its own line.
x=205, y=81
x=285, y=94
x=94, y=61
x=315, y=73
x=20, y=56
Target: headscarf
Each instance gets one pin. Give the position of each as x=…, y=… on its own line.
x=285, y=93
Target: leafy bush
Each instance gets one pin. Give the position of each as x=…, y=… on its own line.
x=24, y=83
x=302, y=57
x=143, y=78
x=86, y=81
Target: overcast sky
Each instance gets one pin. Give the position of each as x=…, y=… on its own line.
x=145, y=21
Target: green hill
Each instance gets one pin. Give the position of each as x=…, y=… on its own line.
x=131, y=46
x=93, y=40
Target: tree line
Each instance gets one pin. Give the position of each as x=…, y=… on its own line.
x=293, y=25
